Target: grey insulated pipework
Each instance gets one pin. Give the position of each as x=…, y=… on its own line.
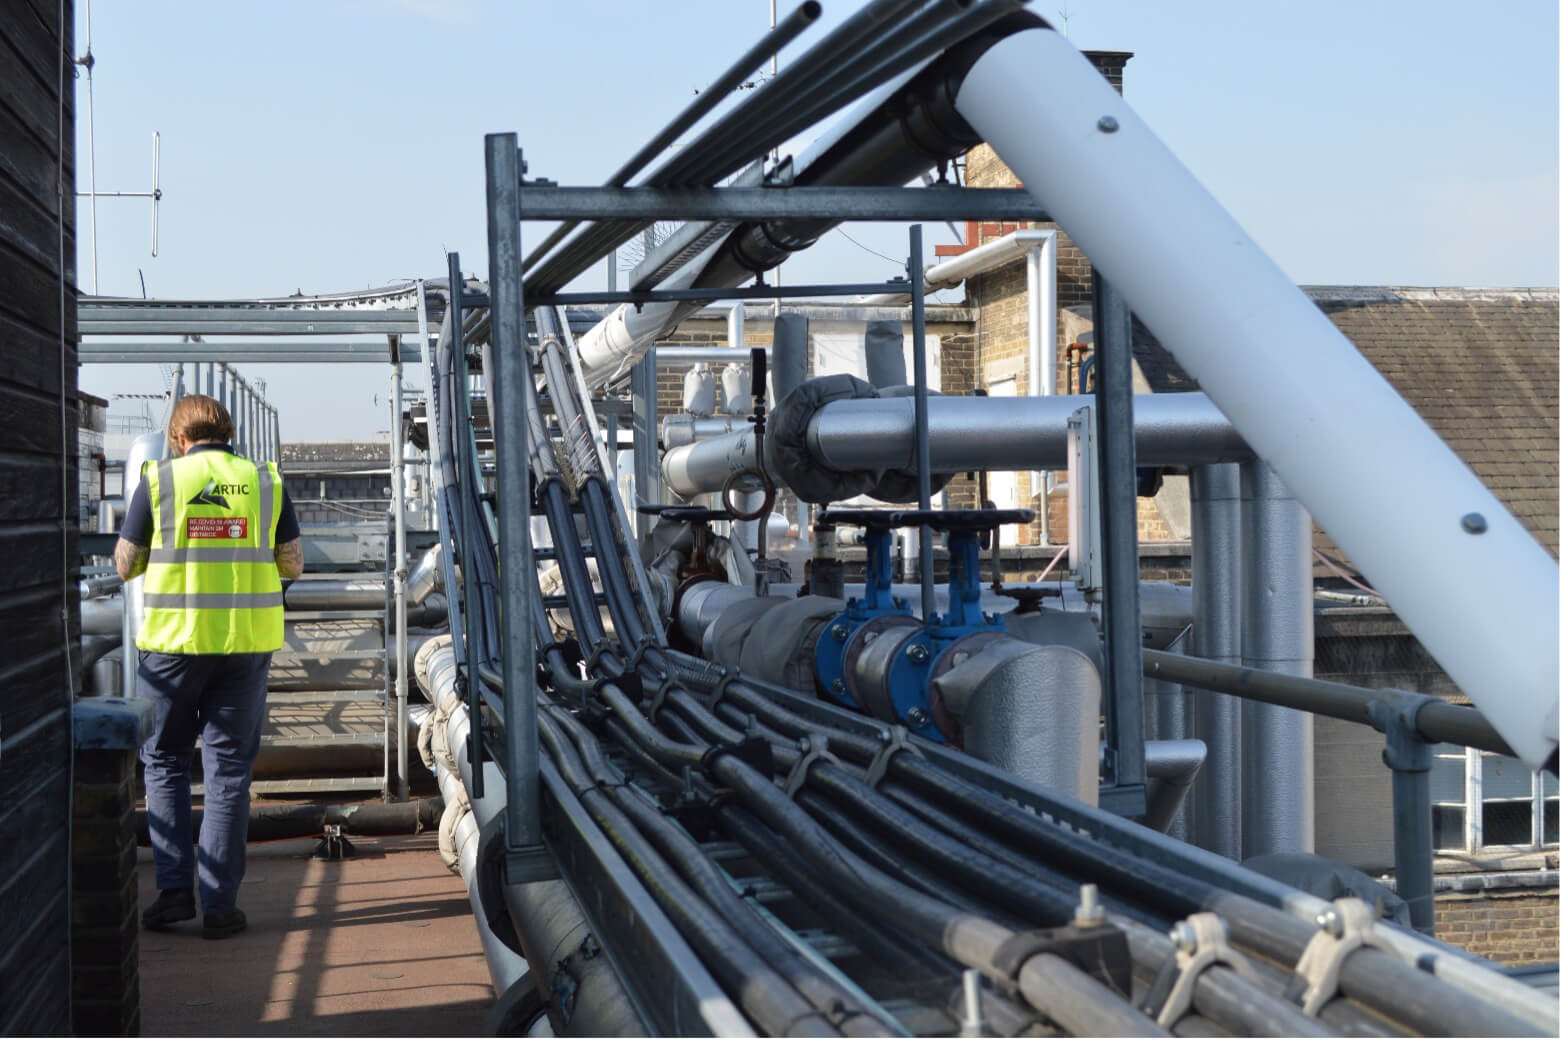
x=885, y=363
x=789, y=354
x=1278, y=636
x=1217, y=824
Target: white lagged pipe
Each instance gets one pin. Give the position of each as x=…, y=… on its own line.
x=1390, y=493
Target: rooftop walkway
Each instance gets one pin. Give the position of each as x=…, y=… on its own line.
x=381, y=944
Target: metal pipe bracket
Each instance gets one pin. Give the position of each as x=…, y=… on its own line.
x=1346, y=926
x=1199, y=942
x=897, y=739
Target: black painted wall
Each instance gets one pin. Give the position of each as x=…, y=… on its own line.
x=39, y=614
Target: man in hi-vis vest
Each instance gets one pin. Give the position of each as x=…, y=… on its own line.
x=214, y=534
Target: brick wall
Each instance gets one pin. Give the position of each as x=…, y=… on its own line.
x=105, y=974
x=1512, y=928
x=1001, y=302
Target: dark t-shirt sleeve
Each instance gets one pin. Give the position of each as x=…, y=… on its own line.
x=288, y=523
x=138, y=517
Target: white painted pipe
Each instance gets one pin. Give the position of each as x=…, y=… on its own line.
x=1369, y=469
x=610, y=347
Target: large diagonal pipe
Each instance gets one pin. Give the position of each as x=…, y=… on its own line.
x=1386, y=488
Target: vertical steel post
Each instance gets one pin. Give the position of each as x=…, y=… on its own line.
x=399, y=575
x=523, y=828
x=920, y=384
x=643, y=418
x=1217, y=799
x=1120, y=542
x=466, y=470
x=1411, y=760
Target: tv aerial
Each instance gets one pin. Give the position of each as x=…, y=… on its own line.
x=87, y=61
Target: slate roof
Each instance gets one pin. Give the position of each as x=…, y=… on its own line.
x=1481, y=366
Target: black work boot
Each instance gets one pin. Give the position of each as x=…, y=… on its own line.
x=219, y=925
x=171, y=905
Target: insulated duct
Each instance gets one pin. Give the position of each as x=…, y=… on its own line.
x=884, y=361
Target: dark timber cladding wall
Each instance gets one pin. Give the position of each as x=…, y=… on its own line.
x=37, y=493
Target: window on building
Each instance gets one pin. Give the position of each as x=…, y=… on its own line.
x=1482, y=800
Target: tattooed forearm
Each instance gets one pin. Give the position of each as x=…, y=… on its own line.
x=290, y=559
x=130, y=559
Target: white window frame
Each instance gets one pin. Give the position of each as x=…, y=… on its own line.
x=1473, y=832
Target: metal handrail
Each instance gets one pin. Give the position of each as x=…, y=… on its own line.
x=1437, y=721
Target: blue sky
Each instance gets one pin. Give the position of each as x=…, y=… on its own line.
x=337, y=144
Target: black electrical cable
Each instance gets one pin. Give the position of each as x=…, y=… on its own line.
x=876, y=938
x=684, y=853
x=764, y=995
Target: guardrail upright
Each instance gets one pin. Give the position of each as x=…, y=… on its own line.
x=525, y=857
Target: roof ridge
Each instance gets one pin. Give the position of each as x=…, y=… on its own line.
x=1429, y=294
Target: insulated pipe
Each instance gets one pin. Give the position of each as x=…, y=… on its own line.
x=103, y=615
x=1171, y=767
x=978, y=433
x=1278, y=636
x=789, y=354
x=335, y=594
x=965, y=433
x=611, y=347
x=884, y=362
x=1217, y=818
x=548, y=921
x=1356, y=454
x=426, y=576
x=686, y=430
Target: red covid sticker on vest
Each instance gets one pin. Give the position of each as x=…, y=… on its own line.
x=217, y=527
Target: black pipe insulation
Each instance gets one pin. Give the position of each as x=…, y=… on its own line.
x=874, y=851
x=296, y=821
x=769, y=1000
x=877, y=938
x=827, y=996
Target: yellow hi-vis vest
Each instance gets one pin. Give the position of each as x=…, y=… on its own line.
x=211, y=585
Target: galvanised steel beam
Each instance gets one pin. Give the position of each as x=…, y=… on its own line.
x=551, y=202
x=132, y=352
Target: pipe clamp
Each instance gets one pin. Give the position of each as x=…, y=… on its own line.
x=1347, y=926
x=1199, y=942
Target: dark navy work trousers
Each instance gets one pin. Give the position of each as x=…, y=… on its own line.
x=220, y=698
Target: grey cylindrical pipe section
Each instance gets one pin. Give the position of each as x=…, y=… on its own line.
x=1278, y=636
x=705, y=466
x=702, y=604
x=103, y=615
x=683, y=430
x=981, y=433
x=885, y=363
x=789, y=353
x=427, y=575
x=335, y=594
x=1169, y=722
x=1171, y=767
x=965, y=433
x=1216, y=817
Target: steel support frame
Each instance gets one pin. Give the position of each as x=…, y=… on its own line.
x=526, y=859
x=399, y=568
x=920, y=383
x=1115, y=412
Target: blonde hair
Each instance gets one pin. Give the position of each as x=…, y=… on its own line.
x=198, y=418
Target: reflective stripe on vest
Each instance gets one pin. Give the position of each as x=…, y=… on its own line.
x=211, y=585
